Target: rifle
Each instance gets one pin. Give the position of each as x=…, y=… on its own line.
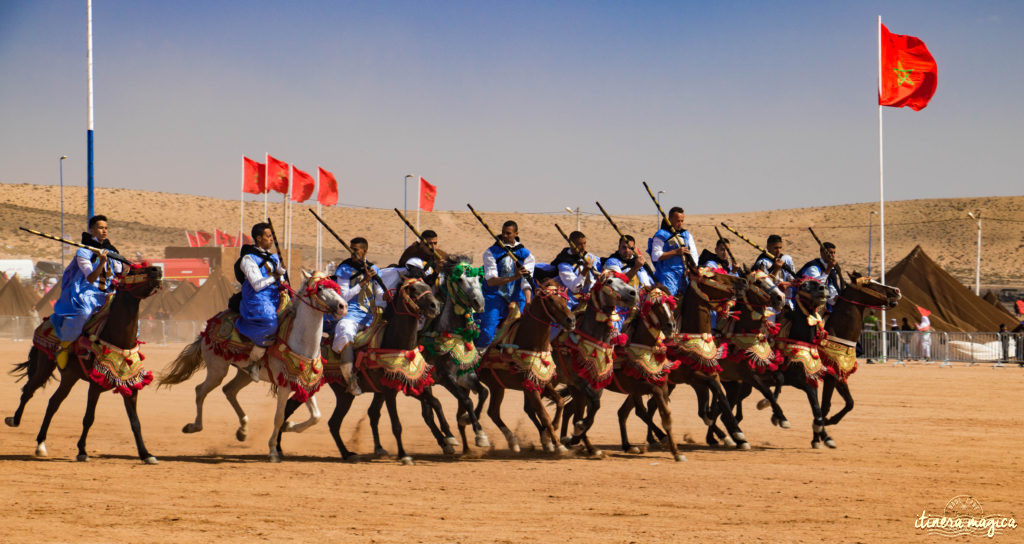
x=647, y=267
x=277, y=247
x=437, y=257
x=785, y=266
x=528, y=276
x=727, y=248
x=835, y=267
x=576, y=249
x=110, y=254
x=347, y=247
x=675, y=235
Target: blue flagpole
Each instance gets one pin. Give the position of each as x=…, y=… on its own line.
x=90, y=185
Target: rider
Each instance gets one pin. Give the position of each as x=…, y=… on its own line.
x=425, y=252
x=669, y=246
x=826, y=270
x=630, y=262
x=577, y=269
x=355, y=278
x=260, y=273
x=718, y=259
x=84, y=285
x=780, y=268
x=504, y=282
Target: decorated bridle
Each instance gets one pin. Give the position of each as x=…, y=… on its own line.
x=604, y=287
x=137, y=276
x=459, y=297
x=543, y=293
x=656, y=297
x=408, y=302
x=707, y=277
x=310, y=296
x=860, y=284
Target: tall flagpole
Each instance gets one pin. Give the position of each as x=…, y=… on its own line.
x=266, y=186
x=319, y=227
x=241, y=204
x=287, y=205
x=90, y=180
x=419, y=187
x=881, y=182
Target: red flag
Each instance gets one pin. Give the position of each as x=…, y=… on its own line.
x=223, y=238
x=328, y=193
x=908, y=72
x=427, y=194
x=193, y=241
x=302, y=185
x=247, y=239
x=203, y=238
x=254, y=176
x=277, y=175
x=242, y=239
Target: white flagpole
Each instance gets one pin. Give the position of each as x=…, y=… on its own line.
x=266, y=185
x=419, y=187
x=319, y=231
x=287, y=203
x=881, y=183
x=241, y=204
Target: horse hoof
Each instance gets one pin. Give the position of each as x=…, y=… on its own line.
x=380, y=452
x=745, y=446
x=680, y=458
x=816, y=445
x=482, y=441
x=762, y=404
x=151, y=460
x=515, y=448
x=550, y=448
x=82, y=458
x=241, y=435
x=407, y=461
x=561, y=449
x=41, y=450
x=191, y=428
x=452, y=441
x=633, y=450
x=706, y=420
x=739, y=436
x=784, y=424
x=448, y=449
x=728, y=441
x=275, y=458
x=598, y=453
x=10, y=422
x=830, y=443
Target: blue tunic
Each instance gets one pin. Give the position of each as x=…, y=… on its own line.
x=258, y=321
x=497, y=298
x=79, y=299
x=671, y=272
x=350, y=291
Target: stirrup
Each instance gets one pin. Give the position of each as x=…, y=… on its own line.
x=62, y=355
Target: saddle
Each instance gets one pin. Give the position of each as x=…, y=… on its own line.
x=537, y=367
x=403, y=370
x=45, y=336
x=839, y=357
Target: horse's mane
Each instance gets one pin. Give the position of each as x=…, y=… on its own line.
x=453, y=260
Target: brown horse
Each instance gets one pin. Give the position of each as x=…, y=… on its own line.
x=106, y=356
x=520, y=358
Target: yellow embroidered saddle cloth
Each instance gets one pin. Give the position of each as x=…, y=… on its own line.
x=220, y=336
x=462, y=351
x=404, y=370
x=45, y=337
x=697, y=351
x=537, y=367
x=113, y=367
x=839, y=359
x=753, y=349
x=590, y=358
x=649, y=363
x=804, y=354
x=304, y=375
x=368, y=337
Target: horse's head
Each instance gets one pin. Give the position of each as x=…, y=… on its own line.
x=464, y=283
x=762, y=290
x=613, y=289
x=321, y=293
x=717, y=285
x=656, y=310
x=865, y=291
x=813, y=293
x=416, y=298
x=141, y=281
x=554, y=303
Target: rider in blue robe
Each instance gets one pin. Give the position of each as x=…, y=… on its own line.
x=261, y=273
x=504, y=283
x=826, y=270
x=627, y=260
x=668, y=251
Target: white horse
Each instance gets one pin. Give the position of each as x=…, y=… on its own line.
x=291, y=363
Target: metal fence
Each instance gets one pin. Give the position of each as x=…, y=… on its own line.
x=942, y=347
x=151, y=331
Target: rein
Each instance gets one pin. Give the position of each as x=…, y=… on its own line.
x=311, y=290
x=408, y=301
x=543, y=294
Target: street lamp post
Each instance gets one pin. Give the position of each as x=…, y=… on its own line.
x=405, y=207
x=873, y=212
x=977, y=263
x=577, y=212
x=61, y=161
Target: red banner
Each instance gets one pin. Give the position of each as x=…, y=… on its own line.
x=254, y=176
x=277, y=175
x=427, y=194
x=328, y=194
x=203, y=238
x=302, y=185
x=908, y=72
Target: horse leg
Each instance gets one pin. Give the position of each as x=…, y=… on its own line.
x=843, y=389
x=43, y=371
x=778, y=418
x=343, y=403
x=92, y=398
x=214, y=375
x=450, y=382
x=819, y=422
x=431, y=407
x=494, y=412
x=275, y=435
x=551, y=393
x=289, y=409
x=67, y=381
x=661, y=398
x=623, y=413
x=535, y=419
x=132, y=409
x=533, y=397
x=481, y=393
x=718, y=395
x=230, y=390
x=581, y=427
x=374, y=412
x=396, y=426
x=654, y=433
x=314, y=418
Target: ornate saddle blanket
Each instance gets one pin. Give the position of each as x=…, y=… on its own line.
x=648, y=363
x=113, y=367
x=804, y=354
x=699, y=352
x=368, y=337
x=839, y=359
x=45, y=337
x=221, y=337
x=462, y=351
x=754, y=350
x=537, y=367
x=590, y=358
x=404, y=370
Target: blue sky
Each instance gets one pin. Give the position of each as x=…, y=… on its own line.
x=516, y=106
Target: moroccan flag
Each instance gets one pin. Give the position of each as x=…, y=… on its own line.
x=908, y=72
x=328, y=193
x=427, y=194
x=277, y=175
x=243, y=239
x=223, y=238
x=254, y=176
x=203, y=238
x=302, y=185
x=193, y=241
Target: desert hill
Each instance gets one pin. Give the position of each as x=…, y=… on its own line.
x=146, y=222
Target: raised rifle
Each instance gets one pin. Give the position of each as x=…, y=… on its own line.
x=622, y=236
x=785, y=266
x=277, y=247
x=437, y=256
x=835, y=268
x=576, y=249
x=110, y=254
x=347, y=247
x=727, y=248
x=497, y=240
x=690, y=262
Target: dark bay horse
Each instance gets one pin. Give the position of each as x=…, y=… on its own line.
x=106, y=356
x=520, y=358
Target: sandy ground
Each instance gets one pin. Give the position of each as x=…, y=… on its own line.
x=919, y=436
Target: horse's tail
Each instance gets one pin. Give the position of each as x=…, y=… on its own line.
x=28, y=368
x=185, y=365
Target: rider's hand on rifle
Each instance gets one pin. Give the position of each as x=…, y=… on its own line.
x=521, y=272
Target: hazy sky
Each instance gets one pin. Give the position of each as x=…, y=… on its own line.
x=519, y=106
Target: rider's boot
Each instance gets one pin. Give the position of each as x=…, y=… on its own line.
x=348, y=372
x=254, y=367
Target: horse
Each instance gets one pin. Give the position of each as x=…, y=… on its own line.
x=520, y=358
x=106, y=355
x=838, y=351
x=585, y=356
x=388, y=360
x=292, y=363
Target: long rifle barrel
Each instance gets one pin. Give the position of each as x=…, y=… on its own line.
x=277, y=246
x=727, y=248
x=785, y=266
x=422, y=240
x=690, y=259
x=347, y=247
x=622, y=236
x=528, y=276
x=97, y=250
